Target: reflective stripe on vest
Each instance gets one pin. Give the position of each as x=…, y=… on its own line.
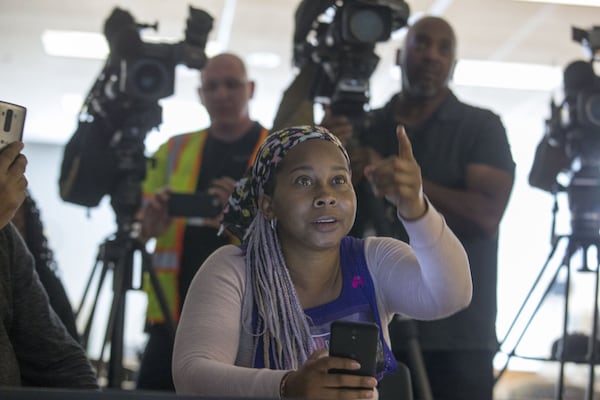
x=183, y=163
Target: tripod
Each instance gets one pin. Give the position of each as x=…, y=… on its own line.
x=117, y=253
x=575, y=242
x=404, y=331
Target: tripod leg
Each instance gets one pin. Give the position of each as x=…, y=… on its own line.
x=561, y=375
x=122, y=282
x=120, y=257
x=520, y=336
x=88, y=325
x=89, y=283
x=593, y=353
x=406, y=331
x=115, y=366
x=158, y=290
x=531, y=290
x=422, y=382
x=109, y=337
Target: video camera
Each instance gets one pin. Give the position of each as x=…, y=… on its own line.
x=573, y=139
x=146, y=71
x=340, y=37
x=575, y=124
x=105, y=155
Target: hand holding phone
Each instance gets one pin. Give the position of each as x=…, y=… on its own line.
x=357, y=341
x=12, y=123
x=194, y=205
x=13, y=183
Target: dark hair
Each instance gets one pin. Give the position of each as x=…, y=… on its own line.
x=45, y=264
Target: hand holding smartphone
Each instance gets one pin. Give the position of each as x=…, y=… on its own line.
x=193, y=205
x=12, y=123
x=358, y=341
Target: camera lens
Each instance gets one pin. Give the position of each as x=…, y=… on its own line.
x=365, y=23
x=592, y=109
x=149, y=79
x=366, y=26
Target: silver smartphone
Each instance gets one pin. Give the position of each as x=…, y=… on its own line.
x=12, y=123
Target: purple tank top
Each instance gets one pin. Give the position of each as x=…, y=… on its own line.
x=357, y=302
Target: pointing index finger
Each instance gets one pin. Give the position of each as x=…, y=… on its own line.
x=404, y=145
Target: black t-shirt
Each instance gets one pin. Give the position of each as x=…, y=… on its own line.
x=455, y=136
x=219, y=159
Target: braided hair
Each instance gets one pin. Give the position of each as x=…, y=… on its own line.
x=280, y=320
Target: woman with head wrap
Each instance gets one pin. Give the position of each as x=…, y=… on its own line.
x=257, y=317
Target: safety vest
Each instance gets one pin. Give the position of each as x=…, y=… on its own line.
x=177, y=166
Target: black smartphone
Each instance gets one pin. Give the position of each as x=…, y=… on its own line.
x=12, y=122
x=194, y=205
x=355, y=340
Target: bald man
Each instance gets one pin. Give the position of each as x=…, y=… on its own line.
x=208, y=161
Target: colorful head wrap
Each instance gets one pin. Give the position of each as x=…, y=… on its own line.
x=243, y=203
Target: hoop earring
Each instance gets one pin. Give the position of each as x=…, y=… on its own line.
x=273, y=223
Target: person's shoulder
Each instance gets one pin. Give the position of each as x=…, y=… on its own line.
x=379, y=241
x=377, y=244
x=9, y=235
x=185, y=135
x=5, y=231
x=257, y=129
x=258, y=125
x=388, y=106
x=180, y=139
x=473, y=109
x=226, y=256
x=229, y=250
x=227, y=263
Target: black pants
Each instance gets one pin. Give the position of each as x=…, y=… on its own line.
x=155, y=368
x=457, y=375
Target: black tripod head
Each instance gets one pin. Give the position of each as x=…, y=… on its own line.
x=129, y=160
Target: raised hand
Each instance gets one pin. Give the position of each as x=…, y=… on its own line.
x=398, y=179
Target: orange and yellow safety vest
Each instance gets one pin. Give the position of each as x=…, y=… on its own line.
x=177, y=165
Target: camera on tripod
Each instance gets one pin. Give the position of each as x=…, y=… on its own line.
x=575, y=124
x=572, y=140
x=105, y=155
x=340, y=38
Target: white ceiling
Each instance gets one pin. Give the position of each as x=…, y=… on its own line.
x=497, y=30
